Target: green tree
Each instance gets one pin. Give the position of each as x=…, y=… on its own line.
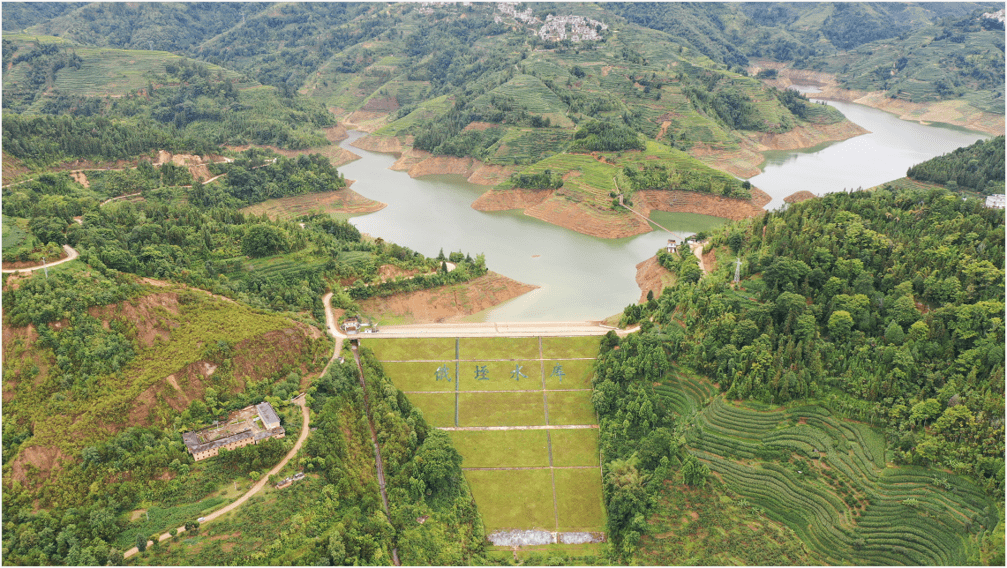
x=439, y=463
x=840, y=325
x=264, y=240
x=694, y=473
x=141, y=542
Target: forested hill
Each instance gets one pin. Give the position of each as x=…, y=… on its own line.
x=534, y=76
x=917, y=51
x=979, y=167
x=883, y=307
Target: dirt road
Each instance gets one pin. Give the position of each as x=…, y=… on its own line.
x=697, y=249
x=330, y=321
x=299, y=401
x=70, y=252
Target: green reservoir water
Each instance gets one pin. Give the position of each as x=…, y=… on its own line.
x=865, y=161
x=588, y=278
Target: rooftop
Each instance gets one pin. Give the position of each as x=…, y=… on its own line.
x=267, y=413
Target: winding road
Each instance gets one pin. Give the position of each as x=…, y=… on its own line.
x=330, y=322
x=70, y=252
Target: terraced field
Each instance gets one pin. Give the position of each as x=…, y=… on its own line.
x=827, y=479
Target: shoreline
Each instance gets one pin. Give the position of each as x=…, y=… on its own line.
x=953, y=112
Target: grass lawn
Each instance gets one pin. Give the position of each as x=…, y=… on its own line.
x=578, y=500
x=500, y=375
x=500, y=409
x=574, y=447
x=687, y=222
x=570, y=347
x=486, y=348
x=571, y=408
x=437, y=408
x=432, y=349
x=576, y=374
x=414, y=376
x=510, y=448
x=520, y=499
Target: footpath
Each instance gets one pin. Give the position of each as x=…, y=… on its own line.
x=330, y=321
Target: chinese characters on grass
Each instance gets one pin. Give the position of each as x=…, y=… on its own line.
x=482, y=373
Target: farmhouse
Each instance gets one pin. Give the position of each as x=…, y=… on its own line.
x=249, y=425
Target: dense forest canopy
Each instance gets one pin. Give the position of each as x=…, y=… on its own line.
x=979, y=167
x=866, y=332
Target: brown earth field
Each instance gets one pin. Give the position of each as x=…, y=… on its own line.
x=652, y=277
x=798, y=197
x=702, y=203
x=447, y=303
x=342, y=201
x=363, y=120
x=956, y=112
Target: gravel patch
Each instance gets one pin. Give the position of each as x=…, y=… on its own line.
x=580, y=537
x=538, y=537
x=521, y=538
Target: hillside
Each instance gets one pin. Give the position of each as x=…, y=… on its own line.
x=979, y=168
x=921, y=53
x=849, y=387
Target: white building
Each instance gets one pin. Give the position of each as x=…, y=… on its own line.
x=996, y=201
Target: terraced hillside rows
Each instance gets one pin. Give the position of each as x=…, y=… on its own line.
x=827, y=479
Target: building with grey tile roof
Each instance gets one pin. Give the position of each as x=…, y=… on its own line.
x=269, y=418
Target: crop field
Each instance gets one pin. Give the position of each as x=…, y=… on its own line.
x=424, y=111
x=106, y=71
x=519, y=412
x=827, y=479
x=527, y=145
x=528, y=93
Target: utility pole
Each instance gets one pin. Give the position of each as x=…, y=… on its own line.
x=45, y=268
x=737, y=271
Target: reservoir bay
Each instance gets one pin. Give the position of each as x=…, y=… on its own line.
x=589, y=278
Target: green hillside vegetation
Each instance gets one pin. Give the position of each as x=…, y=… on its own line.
x=961, y=58
x=335, y=515
x=87, y=388
x=845, y=306
x=979, y=168
x=161, y=103
x=919, y=52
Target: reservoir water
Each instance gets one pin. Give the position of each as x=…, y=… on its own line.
x=862, y=162
x=589, y=278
